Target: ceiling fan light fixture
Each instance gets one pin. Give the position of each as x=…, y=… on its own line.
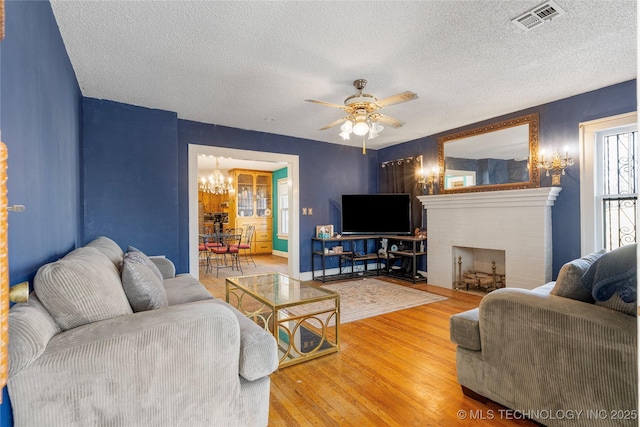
x=347, y=127
x=361, y=127
x=362, y=113
x=375, y=130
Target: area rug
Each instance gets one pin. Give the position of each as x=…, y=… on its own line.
x=368, y=297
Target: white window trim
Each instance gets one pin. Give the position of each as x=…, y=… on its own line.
x=588, y=133
x=282, y=182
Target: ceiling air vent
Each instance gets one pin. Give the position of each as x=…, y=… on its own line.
x=538, y=16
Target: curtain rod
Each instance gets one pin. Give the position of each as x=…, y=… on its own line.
x=401, y=161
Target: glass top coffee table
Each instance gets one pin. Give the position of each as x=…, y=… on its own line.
x=304, y=318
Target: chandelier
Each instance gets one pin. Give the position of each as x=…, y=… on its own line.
x=216, y=183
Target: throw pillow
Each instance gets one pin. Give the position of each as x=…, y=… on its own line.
x=613, y=272
x=142, y=286
x=81, y=288
x=142, y=258
x=569, y=281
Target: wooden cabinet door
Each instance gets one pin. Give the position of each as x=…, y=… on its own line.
x=251, y=205
x=245, y=190
x=263, y=195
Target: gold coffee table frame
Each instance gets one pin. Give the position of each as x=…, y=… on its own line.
x=306, y=316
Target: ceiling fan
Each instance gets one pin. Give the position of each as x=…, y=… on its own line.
x=362, y=113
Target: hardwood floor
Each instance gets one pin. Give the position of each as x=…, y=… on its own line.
x=397, y=369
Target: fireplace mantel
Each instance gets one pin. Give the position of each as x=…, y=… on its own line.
x=544, y=196
x=516, y=221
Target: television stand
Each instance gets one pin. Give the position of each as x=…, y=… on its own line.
x=336, y=265
x=350, y=258
x=409, y=250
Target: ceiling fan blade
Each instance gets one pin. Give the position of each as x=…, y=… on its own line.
x=397, y=99
x=389, y=121
x=328, y=104
x=337, y=122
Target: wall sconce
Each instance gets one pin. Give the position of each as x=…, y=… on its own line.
x=556, y=165
x=428, y=181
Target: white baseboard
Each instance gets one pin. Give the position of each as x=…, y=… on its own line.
x=280, y=254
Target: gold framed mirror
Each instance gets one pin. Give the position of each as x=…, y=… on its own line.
x=499, y=156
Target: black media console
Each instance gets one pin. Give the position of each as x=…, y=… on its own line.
x=362, y=256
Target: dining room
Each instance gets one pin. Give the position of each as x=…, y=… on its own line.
x=242, y=214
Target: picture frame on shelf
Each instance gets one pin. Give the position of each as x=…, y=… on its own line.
x=324, y=231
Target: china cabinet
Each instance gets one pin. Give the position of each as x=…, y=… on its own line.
x=251, y=204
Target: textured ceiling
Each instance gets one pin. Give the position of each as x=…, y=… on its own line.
x=238, y=63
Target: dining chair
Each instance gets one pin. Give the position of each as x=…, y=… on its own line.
x=218, y=253
x=203, y=254
x=212, y=240
x=233, y=241
x=245, y=244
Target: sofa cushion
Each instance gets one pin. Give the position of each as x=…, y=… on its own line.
x=614, y=272
x=109, y=248
x=185, y=288
x=569, y=281
x=141, y=284
x=165, y=266
x=545, y=289
x=142, y=258
x=81, y=288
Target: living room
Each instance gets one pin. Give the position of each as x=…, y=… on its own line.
x=85, y=167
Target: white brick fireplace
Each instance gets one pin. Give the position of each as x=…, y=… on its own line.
x=515, y=221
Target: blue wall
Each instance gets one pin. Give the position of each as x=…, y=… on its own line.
x=130, y=167
x=558, y=128
x=41, y=125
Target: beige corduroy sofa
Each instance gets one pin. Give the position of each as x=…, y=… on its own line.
x=116, y=339
x=563, y=354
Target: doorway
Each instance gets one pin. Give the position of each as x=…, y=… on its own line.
x=292, y=164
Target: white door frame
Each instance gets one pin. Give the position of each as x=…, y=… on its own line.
x=293, y=173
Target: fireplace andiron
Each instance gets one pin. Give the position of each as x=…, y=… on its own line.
x=478, y=280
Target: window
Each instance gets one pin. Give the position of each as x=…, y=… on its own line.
x=616, y=190
x=608, y=182
x=283, y=208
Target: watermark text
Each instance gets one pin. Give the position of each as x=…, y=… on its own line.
x=548, y=414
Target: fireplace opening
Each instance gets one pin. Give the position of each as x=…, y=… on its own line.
x=478, y=269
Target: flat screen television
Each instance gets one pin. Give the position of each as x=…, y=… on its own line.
x=376, y=214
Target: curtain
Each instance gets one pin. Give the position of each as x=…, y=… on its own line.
x=400, y=176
